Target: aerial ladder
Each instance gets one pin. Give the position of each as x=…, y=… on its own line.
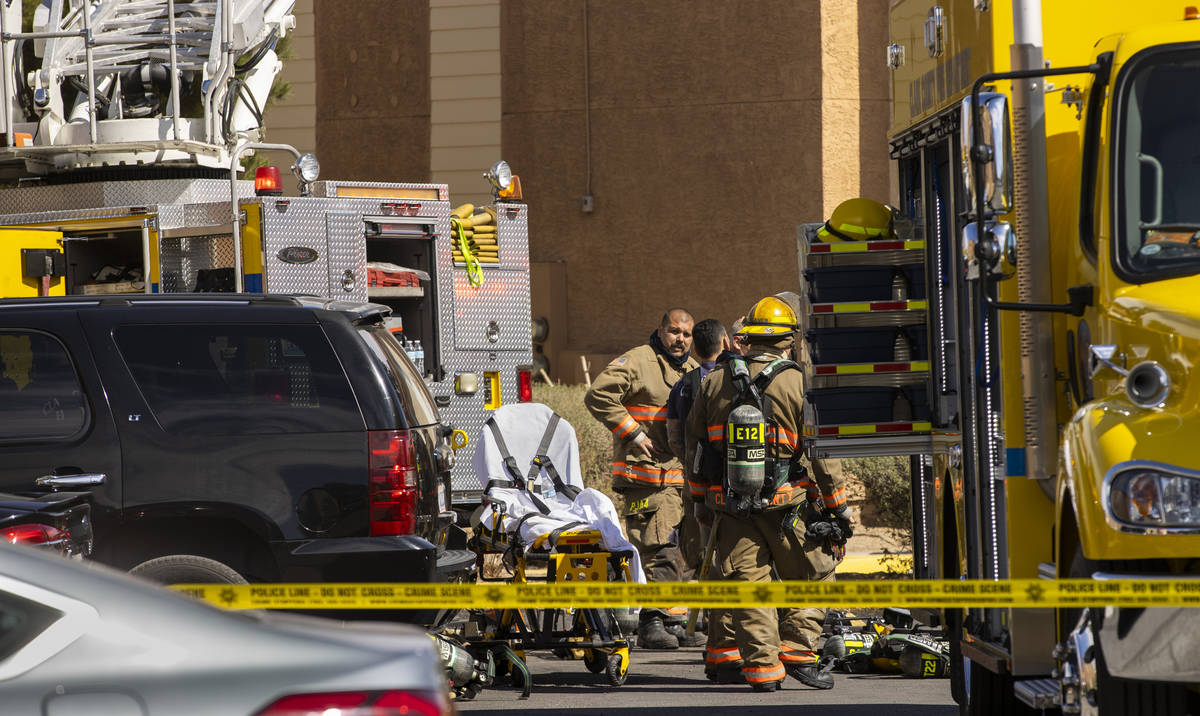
x=113, y=83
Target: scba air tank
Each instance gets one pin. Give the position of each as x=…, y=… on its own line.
x=745, y=458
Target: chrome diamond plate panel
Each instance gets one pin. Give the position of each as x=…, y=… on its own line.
x=473, y=310
x=300, y=222
x=478, y=309
x=210, y=214
x=347, y=247
x=33, y=200
x=180, y=258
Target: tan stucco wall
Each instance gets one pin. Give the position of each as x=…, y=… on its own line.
x=465, y=91
x=708, y=137
x=292, y=120
x=715, y=128
x=372, y=94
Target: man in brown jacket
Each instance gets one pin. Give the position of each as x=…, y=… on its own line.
x=630, y=398
x=786, y=518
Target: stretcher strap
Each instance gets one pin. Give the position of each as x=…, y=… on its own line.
x=510, y=463
x=553, y=538
x=541, y=461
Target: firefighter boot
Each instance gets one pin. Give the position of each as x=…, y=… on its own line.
x=767, y=686
x=726, y=674
x=679, y=631
x=812, y=674
x=653, y=635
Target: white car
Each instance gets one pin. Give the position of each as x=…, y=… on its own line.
x=81, y=639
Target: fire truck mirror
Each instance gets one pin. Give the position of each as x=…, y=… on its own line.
x=993, y=175
x=995, y=251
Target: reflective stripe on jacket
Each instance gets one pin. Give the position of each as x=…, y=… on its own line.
x=706, y=424
x=630, y=396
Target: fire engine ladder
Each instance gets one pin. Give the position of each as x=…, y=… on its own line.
x=91, y=50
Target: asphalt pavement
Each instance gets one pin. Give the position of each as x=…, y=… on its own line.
x=672, y=683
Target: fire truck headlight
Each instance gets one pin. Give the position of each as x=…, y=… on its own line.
x=1151, y=498
x=307, y=168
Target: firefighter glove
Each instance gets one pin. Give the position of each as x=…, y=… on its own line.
x=833, y=527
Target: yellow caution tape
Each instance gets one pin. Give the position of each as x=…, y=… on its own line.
x=951, y=594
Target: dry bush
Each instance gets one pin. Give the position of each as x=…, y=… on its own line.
x=886, y=483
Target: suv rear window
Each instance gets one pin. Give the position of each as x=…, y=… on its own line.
x=240, y=379
x=40, y=395
x=418, y=403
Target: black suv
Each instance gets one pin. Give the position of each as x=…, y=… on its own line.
x=231, y=438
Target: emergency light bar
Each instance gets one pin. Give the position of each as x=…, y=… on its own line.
x=268, y=182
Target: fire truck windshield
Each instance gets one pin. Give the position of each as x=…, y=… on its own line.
x=1157, y=166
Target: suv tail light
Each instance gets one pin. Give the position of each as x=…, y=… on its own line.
x=34, y=534
x=393, y=482
x=360, y=703
x=524, y=385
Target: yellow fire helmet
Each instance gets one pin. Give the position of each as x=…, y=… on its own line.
x=858, y=220
x=771, y=316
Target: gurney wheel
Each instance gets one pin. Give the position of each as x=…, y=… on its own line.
x=618, y=667
x=595, y=661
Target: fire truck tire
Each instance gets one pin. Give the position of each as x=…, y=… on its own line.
x=991, y=694
x=958, y=681
x=187, y=569
x=1138, y=698
x=1122, y=696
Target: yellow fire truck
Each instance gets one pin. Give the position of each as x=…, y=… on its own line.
x=1057, y=144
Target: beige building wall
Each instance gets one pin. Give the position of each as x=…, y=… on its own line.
x=372, y=91
x=464, y=84
x=706, y=131
x=293, y=119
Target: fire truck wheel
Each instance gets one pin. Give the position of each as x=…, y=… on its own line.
x=991, y=694
x=1121, y=696
x=1137, y=698
x=187, y=569
x=958, y=680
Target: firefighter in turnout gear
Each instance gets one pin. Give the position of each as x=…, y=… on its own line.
x=630, y=398
x=745, y=463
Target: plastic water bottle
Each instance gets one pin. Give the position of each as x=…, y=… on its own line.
x=547, y=487
x=420, y=357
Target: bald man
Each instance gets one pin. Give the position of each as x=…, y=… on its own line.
x=630, y=398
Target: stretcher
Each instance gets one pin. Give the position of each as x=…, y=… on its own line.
x=544, y=525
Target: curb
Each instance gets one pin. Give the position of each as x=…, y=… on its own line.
x=866, y=563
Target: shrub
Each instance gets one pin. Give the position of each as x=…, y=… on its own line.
x=595, y=442
x=885, y=481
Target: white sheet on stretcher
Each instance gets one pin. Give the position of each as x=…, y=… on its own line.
x=522, y=426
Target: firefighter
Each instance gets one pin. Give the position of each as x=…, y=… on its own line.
x=858, y=220
x=745, y=464
x=630, y=397
x=709, y=342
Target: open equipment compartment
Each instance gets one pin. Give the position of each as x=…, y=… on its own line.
x=408, y=242
x=865, y=306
